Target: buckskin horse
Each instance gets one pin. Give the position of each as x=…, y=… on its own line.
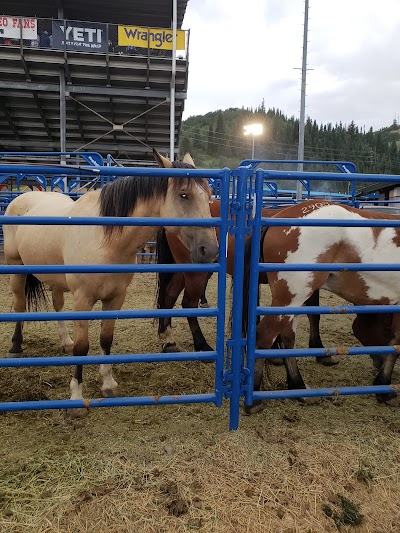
x=313, y=244
x=170, y=285
x=133, y=196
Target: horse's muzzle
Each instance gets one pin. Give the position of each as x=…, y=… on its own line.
x=205, y=252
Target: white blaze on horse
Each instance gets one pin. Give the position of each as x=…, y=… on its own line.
x=133, y=196
x=313, y=244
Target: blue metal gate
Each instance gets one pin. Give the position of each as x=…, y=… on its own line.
x=255, y=310
x=241, y=194
x=218, y=356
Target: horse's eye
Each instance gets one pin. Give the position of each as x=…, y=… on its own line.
x=184, y=196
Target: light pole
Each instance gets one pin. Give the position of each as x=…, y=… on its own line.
x=253, y=130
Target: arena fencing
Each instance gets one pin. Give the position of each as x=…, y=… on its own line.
x=241, y=195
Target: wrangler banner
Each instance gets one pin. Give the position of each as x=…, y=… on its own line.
x=150, y=37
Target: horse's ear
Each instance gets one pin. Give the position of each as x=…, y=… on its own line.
x=188, y=159
x=162, y=161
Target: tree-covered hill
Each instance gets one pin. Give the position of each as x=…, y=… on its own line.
x=216, y=140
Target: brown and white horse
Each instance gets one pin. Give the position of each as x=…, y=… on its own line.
x=312, y=244
x=134, y=196
x=170, y=285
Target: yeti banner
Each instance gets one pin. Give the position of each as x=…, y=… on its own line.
x=79, y=36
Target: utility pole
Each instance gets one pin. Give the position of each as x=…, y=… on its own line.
x=302, y=100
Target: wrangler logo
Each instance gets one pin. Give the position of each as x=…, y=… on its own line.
x=150, y=37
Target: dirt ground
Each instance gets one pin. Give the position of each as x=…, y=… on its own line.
x=291, y=468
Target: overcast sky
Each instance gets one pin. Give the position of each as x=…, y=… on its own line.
x=243, y=51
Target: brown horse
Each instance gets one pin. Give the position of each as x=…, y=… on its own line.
x=134, y=196
x=170, y=285
x=311, y=244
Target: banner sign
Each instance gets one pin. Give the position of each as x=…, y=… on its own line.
x=82, y=36
x=10, y=27
x=150, y=37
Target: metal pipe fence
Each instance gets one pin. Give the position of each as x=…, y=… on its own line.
x=241, y=195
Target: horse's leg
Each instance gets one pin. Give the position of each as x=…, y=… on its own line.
x=271, y=326
x=315, y=338
x=58, y=304
x=268, y=336
x=384, y=377
x=191, y=296
x=203, y=298
x=174, y=288
x=109, y=387
x=81, y=347
x=17, y=282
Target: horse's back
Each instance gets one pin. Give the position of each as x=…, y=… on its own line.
x=36, y=202
x=26, y=243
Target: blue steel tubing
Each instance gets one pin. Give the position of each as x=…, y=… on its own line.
x=342, y=223
x=106, y=402
x=334, y=391
x=343, y=166
x=328, y=267
x=82, y=170
x=221, y=288
x=322, y=352
x=328, y=176
x=235, y=378
x=73, y=360
x=325, y=310
x=253, y=287
x=104, y=315
x=107, y=269
x=110, y=221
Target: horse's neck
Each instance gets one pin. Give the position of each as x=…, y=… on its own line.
x=129, y=241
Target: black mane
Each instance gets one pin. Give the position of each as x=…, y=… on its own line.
x=119, y=198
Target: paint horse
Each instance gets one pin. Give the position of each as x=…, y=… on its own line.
x=313, y=244
x=133, y=196
x=170, y=285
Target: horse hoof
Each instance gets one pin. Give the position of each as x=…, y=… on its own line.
x=169, y=347
x=327, y=360
x=394, y=402
x=391, y=399
x=68, y=349
x=79, y=412
x=275, y=361
x=110, y=393
x=15, y=354
x=204, y=305
x=256, y=407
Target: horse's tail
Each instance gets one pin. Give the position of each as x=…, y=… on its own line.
x=35, y=294
x=246, y=279
x=163, y=256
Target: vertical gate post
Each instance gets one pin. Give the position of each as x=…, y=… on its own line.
x=221, y=288
x=253, y=285
x=236, y=344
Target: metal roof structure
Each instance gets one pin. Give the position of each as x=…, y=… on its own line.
x=112, y=101
x=155, y=13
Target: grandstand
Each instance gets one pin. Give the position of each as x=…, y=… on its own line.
x=73, y=78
